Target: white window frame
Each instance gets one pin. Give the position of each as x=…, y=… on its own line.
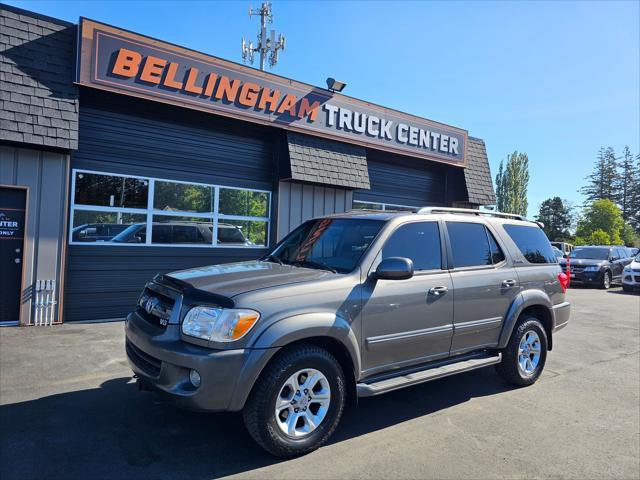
x=384, y=205
x=150, y=211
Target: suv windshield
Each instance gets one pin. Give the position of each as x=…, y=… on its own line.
x=335, y=244
x=591, y=253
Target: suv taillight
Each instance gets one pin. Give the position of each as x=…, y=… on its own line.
x=564, y=280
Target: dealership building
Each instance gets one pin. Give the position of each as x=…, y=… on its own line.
x=122, y=156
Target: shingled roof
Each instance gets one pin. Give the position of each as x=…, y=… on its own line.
x=328, y=162
x=477, y=174
x=38, y=101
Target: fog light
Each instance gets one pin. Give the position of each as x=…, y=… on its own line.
x=194, y=378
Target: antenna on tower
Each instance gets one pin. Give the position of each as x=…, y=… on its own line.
x=267, y=45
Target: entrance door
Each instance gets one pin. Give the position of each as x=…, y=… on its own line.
x=13, y=203
x=410, y=321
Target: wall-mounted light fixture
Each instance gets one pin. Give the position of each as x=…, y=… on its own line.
x=335, y=85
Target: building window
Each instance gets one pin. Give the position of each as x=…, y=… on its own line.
x=111, y=209
x=382, y=207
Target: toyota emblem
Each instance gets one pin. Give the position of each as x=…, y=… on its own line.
x=151, y=303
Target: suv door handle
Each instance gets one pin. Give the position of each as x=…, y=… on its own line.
x=508, y=283
x=438, y=290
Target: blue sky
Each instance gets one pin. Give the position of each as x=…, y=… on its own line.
x=556, y=80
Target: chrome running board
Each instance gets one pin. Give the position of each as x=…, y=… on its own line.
x=434, y=372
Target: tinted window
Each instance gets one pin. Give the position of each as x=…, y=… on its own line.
x=621, y=253
x=496, y=253
x=532, y=242
x=594, y=253
x=337, y=243
x=469, y=244
x=418, y=241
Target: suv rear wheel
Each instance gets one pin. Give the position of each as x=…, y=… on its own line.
x=526, y=353
x=297, y=401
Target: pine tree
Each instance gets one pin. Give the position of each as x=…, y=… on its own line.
x=603, y=179
x=626, y=184
x=634, y=215
x=512, y=183
x=611, y=176
x=557, y=217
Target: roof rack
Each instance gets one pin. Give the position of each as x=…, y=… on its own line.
x=428, y=210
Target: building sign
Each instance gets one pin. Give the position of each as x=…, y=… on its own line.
x=11, y=223
x=120, y=61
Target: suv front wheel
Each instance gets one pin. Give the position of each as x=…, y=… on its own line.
x=297, y=402
x=526, y=353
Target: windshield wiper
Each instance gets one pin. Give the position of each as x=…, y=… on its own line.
x=312, y=264
x=272, y=258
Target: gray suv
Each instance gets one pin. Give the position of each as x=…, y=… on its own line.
x=348, y=306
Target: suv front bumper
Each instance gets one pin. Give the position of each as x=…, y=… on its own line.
x=162, y=362
x=587, y=277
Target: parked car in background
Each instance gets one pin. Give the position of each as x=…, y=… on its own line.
x=631, y=276
x=183, y=233
x=564, y=247
x=351, y=305
x=559, y=254
x=97, y=232
x=635, y=251
x=596, y=265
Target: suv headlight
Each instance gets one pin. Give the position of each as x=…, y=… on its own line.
x=627, y=268
x=219, y=324
x=591, y=268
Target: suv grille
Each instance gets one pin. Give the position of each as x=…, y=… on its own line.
x=155, y=307
x=147, y=363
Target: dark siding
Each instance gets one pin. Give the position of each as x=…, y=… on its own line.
x=159, y=141
x=104, y=282
x=404, y=181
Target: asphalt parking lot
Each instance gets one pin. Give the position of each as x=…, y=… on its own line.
x=69, y=410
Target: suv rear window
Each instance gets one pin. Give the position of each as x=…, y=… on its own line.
x=470, y=245
x=532, y=242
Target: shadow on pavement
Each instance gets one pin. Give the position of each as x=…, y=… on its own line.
x=115, y=431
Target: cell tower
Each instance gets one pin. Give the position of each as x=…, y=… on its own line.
x=266, y=45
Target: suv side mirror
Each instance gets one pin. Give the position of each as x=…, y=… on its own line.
x=395, y=268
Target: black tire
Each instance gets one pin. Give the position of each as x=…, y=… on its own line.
x=258, y=413
x=509, y=368
x=605, y=283
x=626, y=289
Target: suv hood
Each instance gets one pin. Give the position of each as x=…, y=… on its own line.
x=583, y=262
x=232, y=279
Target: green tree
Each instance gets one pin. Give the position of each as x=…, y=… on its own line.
x=557, y=217
x=602, y=215
x=602, y=183
x=626, y=185
x=599, y=237
x=512, y=182
x=634, y=215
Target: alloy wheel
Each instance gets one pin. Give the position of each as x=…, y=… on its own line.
x=529, y=353
x=302, y=403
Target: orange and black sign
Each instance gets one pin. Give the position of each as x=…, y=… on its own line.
x=124, y=62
